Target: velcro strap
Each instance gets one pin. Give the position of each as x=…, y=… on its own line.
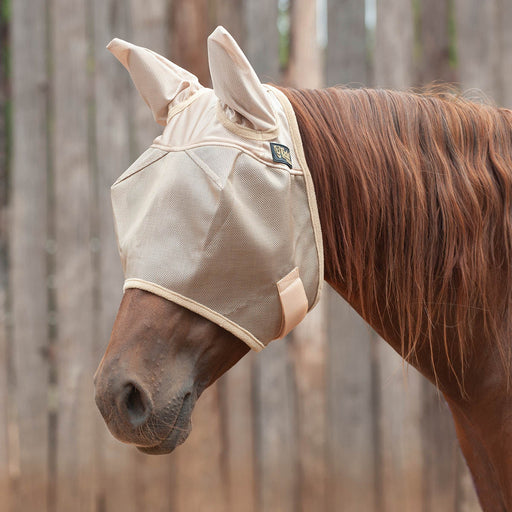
x=294, y=302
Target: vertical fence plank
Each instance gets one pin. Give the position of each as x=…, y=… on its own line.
x=5, y=352
x=400, y=456
x=116, y=464
x=4, y=401
x=73, y=264
x=435, y=61
x=435, y=64
x=189, y=27
x=393, y=58
x=305, y=65
x=479, y=69
x=351, y=443
x=440, y=452
x=478, y=45
x=308, y=340
x=351, y=486
x=154, y=485
x=239, y=433
x=200, y=478
x=149, y=29
x=273, y=393
x=504, y=22
x=200, y=475
x=346, y=56
x=236, y=385
x=28, y=255
x=275, y=424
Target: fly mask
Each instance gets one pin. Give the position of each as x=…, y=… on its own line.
x=219, y=215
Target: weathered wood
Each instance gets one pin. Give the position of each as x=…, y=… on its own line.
x=29, y=460
x=261, y=438
x=230, y=14
x=466, y=499
x=277, y=473
x=350, y=420
x=189, y=27
x=346, y=53
x=401, y=456
x=434, y=41
x=236, y=394
x=305, y=66
x=261, y=44
x=479, y=53
x=235, y=387
x=149, y=29
x=200, y=468
x=5, y=352
x=309, y=340
x=351, y=416
x=149, y=482
x=393, y=59
x=4, y=399
x=117, y=465
x=399, y=402
x=504, y=22
x=72, y=180
x=438, y=437
x=439, y=451
x=477, y=46
x=200, y=481
x=309, y=350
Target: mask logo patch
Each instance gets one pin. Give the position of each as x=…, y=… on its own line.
x=281, y=154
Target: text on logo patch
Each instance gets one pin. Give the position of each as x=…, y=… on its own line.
x=281, y=154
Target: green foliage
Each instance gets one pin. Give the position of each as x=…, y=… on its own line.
x=5, y=11
x=5, y=99
x=452, y=34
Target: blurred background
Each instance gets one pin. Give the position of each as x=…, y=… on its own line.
x=326, y=420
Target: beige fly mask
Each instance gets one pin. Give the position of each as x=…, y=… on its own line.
x=219, y=214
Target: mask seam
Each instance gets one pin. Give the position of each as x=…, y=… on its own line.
x=244, y=131
x=260, y=159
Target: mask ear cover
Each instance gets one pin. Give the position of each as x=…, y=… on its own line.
x=161, y=83
x=244, y=101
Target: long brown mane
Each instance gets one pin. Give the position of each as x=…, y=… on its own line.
x=415, y=200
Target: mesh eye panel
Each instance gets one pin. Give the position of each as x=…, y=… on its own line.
x=223, y=248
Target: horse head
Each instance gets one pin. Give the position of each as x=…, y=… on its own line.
x=219, y=238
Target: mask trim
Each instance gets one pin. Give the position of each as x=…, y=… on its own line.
x=198, y=308
x=310, y=187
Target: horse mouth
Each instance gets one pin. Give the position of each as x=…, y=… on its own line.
x=178, y=433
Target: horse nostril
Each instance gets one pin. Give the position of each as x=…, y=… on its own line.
x=136, y=403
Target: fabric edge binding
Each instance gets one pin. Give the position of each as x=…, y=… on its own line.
x=194, y=306
x=310, y=189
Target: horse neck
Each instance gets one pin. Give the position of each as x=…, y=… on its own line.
x=410, y=259
x=319, y=134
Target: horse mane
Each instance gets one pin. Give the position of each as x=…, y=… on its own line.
x=415, y=201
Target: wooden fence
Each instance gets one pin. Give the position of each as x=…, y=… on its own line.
x=323, y=421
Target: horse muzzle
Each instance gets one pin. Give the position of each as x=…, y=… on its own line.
x=134, y=416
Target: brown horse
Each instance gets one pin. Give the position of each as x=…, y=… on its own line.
x=414, y=194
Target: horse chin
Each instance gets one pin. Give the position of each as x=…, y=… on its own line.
x=178, y=434
x=176, y=437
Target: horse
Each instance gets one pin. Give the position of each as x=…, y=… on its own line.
x=414, y=195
